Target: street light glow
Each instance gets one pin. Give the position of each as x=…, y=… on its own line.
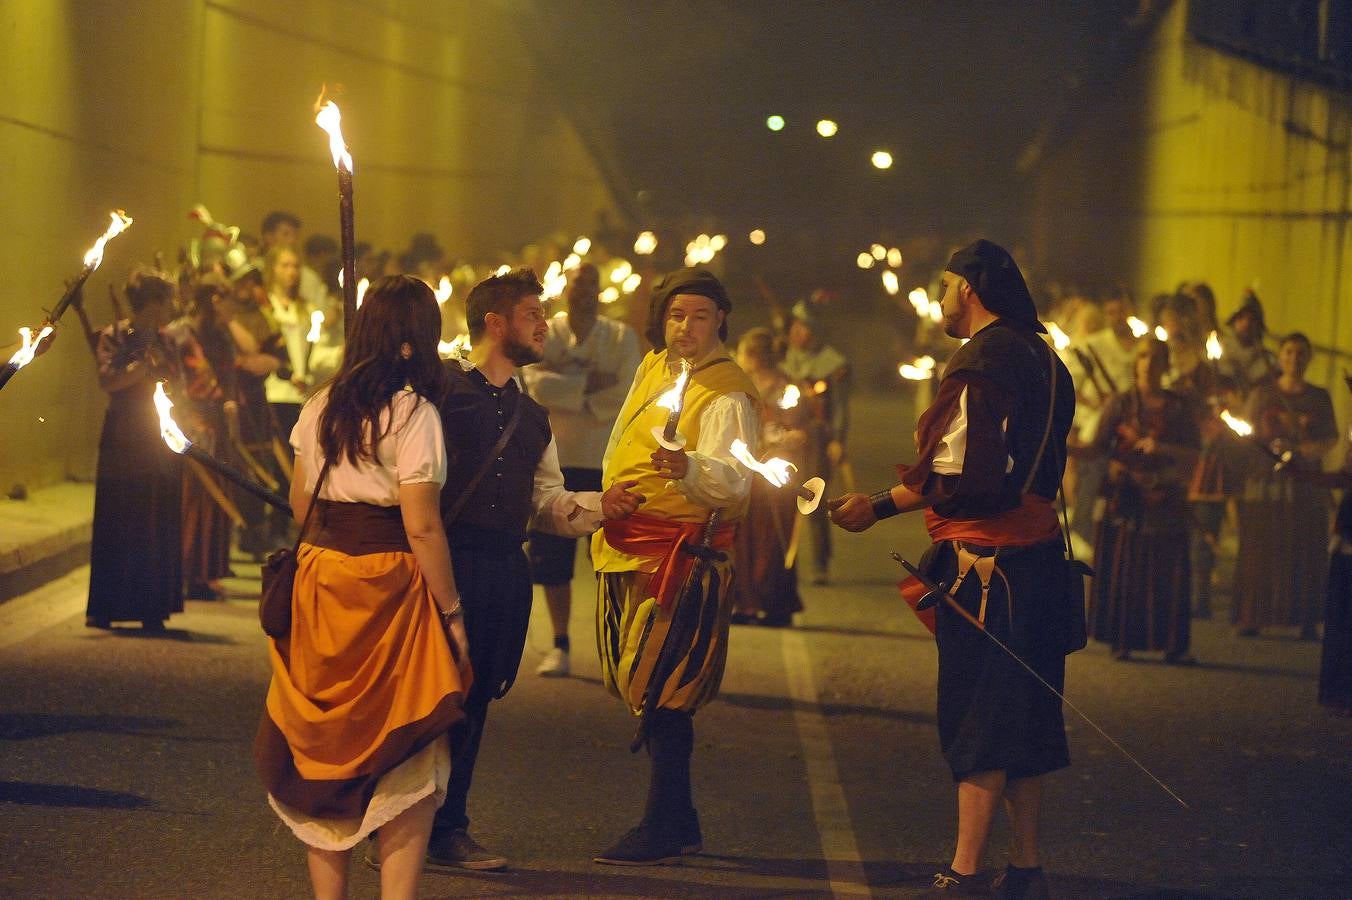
x=882, y=159
x=756, y=237
x=826, y=128
x=775, y=123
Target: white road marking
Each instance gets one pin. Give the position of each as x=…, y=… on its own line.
x=26, y=615
x=843, y=865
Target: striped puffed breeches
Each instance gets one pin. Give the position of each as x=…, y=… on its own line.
x=632, y=632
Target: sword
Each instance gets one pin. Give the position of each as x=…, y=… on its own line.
x=939, y=592
x=684, y=620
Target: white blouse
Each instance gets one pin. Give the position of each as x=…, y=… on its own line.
x=413, y=451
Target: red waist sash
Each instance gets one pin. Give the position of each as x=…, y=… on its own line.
x=640, y=535
x=1032, y=522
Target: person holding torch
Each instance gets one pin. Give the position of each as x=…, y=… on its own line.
x=135, y=558
x=992, y=450
x=663, y=610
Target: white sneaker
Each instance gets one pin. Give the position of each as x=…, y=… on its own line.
x=554, y=665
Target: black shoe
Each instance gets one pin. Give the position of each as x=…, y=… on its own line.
x=457, y=850
x=98, y=622
x=1021, y=884
x=742, y=618
x=152, y=626
x=949, y=883
x=1180, y=658
x=642, y=846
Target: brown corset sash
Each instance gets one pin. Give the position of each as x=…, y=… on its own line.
x=358, y=528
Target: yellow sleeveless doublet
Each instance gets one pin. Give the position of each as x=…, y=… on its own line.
x=633, y=443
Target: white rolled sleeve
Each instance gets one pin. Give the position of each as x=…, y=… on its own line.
x=714, y=478
x=556, y=509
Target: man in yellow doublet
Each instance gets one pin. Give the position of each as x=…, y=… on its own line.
x=663, y=611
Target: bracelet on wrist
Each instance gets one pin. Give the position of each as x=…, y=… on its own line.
x=884, y=507
x=448, y=615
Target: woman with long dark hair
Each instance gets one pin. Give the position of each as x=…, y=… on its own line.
x=135, y=564
x=374, y=670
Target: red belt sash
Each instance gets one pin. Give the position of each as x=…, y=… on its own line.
x=640, y=535
x=1032, y=522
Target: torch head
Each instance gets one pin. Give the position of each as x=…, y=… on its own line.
x=120, y=223
x=818, y=487
x=329, y=118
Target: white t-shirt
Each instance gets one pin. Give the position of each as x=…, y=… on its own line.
x=411, y=452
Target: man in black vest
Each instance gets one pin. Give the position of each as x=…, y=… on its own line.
x=493, y=489
x=992, y=449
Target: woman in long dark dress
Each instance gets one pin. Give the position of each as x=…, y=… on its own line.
x=1141, y=593
x=1282, y=563
x=135, y=560
x=765, y=588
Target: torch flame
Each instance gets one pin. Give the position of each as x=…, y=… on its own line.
x=443, y=290
x=1236, y=424
x=316, y=323
x=775, y=470
x=890, y=283
x=920, y=369
x=1060, y=339
x=25, y=354
x=1213, y=346
x=362, y=285
x=120, y=223
x=675, y=398
x=919, y=298
x=329, y=118
x=456, y=346
x=789, y=399
x=645, y=243
x=169, y=430
x=1138, y=328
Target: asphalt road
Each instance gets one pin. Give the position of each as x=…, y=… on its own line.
x=125, y=767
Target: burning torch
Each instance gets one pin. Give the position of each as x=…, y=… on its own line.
x=31, y=346
x=179, y=443
x=673, y=401
x=779, y=472
x=312, y=338
x=328, y=118
x=1280, y=458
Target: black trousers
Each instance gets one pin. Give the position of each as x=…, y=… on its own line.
x=493, y=577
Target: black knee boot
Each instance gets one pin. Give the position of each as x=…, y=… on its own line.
x=670, y=808
x=670, y=826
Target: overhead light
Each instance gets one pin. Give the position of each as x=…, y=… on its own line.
x=756, y=237
x=775, y=123
x=882, y=159
x=826, y=128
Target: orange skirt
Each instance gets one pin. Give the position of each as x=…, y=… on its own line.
x=363, y=685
